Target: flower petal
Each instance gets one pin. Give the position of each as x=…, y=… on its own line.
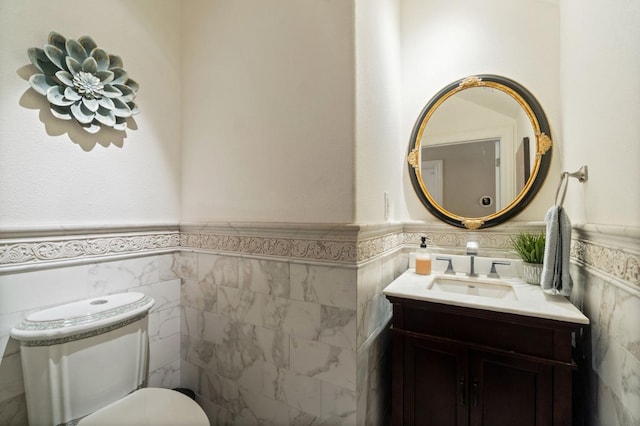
x=101, y=57
x=55, y=55
x=91, y=104
x=105, y=117
x=87, y=42
x=121, y=109
x=65, y=78
x=115, y=61
x=73, y=66
x=93, y=127
x=36, y=55
x=71, y=94
x=133, y=85
x=106, y=103
x=127, y=93
x=41, y=83
x=57, y=40
x=111, y=92
x=61, y=112
x=55, y=95
x=90, y=65
x=81, y=113
x=39, y=59
x=121, y=123
x=134, y=108
x=75, y=50
x=119, y=75
x=105, y=76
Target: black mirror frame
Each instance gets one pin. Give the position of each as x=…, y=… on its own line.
x=538, y=174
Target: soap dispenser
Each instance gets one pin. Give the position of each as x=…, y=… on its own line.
x=423, y=258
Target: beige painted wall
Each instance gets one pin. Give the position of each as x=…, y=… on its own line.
x=53, y=173
x=379, y=150
x=268, y=90
x=276, y=127
x=445, y=41
x=298, y=111
x=600, y=78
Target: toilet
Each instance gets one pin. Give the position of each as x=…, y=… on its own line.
x=86, y=363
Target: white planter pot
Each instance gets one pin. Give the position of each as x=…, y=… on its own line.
x=532, y=272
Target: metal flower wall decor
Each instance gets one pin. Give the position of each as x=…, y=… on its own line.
x=83, y=82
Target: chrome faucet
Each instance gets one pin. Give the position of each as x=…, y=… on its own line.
x=493, y=273
x=472, y=252
x=449, y=270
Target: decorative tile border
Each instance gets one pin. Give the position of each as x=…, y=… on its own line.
x=612, y=250
x=624, y=266
x=458, y=240
x=343, y=244
x=28, y=251
x=375, y=246
x=282, y=247
x=497, y=239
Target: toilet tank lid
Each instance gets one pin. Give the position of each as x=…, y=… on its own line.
x=82, y=316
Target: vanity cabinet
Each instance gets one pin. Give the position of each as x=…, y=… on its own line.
x=456, y=365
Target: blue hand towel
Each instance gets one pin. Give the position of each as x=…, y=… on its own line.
x=555, y=270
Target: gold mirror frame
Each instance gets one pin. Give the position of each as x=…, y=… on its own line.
x=539, y=170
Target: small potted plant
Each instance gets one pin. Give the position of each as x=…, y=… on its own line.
x=530, y=248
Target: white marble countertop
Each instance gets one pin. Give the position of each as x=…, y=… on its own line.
x=529, y=300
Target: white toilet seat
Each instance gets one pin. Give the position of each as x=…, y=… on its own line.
x=149, y=406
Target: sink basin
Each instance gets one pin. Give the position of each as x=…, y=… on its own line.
x=474, y=287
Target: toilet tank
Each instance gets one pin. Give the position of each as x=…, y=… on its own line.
x=81, y=356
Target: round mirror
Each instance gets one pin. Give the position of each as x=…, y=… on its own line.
x=479, y=151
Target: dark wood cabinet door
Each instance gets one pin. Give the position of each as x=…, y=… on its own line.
x=463, y=366
x=435, y=383
x=507, y=391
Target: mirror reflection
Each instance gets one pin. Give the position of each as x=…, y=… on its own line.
x=479, y=152
x=479, y=140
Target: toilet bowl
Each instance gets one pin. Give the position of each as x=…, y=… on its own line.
x=86, y=363
x=149, y=406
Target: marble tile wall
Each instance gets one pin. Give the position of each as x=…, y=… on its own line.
x=268, y=331
x=289, y=329
x=286, y=324
x=268, y=341
x=24, y=292
x=607, y=288
x=283, y=343
x=374, y=337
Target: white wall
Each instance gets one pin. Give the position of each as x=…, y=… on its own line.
x=446, y=41
x=284, y=120
x=268, y=111
x=54, y=173
x=600, y=53
x=379, y=149
x=600, y=80
x=270, y=98
x=600, y=63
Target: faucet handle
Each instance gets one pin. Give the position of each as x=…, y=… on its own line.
x=449, y=270
x=493, y=273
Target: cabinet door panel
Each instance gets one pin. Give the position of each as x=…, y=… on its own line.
x=510, y=391
x=436, y=379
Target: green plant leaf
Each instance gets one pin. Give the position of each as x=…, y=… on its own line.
x=530, y=247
